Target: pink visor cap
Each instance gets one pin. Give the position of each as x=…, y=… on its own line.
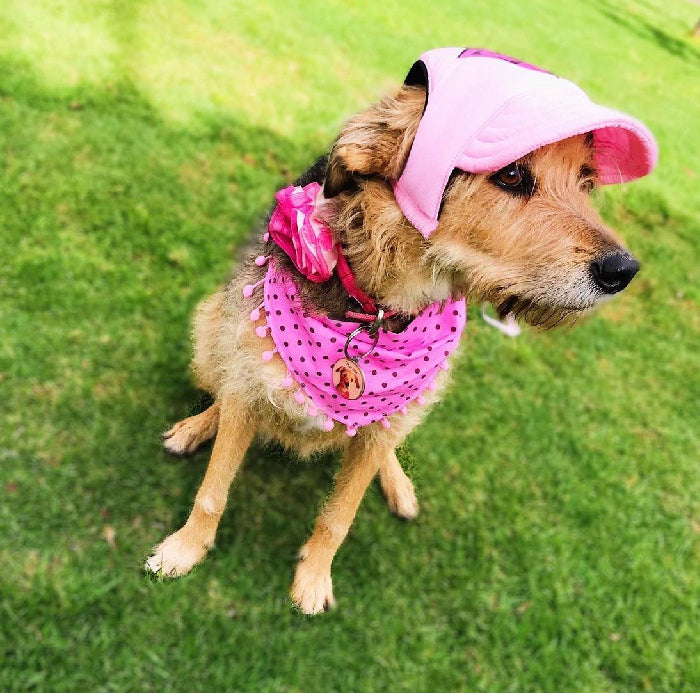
x=485, y=110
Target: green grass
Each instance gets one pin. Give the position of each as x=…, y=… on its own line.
x=557, y=546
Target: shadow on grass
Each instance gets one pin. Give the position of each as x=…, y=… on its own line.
x=120, y=282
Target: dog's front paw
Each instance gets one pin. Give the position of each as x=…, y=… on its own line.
x=183, y=438
x=312, y=590
x=175, y=555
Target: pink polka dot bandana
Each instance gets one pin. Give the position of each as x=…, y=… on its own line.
x=396, y=371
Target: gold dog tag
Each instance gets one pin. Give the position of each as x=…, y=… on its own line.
x=348, y=379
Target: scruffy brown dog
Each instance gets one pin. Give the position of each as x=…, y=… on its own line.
x=525, y=238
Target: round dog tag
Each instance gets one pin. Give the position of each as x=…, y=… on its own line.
x=348, y=379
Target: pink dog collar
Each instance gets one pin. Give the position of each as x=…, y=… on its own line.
x=486, y=110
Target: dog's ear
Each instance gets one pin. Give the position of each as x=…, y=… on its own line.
x=375, y=142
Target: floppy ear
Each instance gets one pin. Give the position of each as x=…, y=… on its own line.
x=375, y=142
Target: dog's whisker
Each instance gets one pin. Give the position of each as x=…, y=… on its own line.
x=560, y=318
x=540, y=313
x=548, y=319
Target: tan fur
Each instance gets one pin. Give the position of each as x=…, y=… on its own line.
x=528, y=256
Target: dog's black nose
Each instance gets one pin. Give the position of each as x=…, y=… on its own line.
x=614, y=272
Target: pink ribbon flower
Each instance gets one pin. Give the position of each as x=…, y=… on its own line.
x=294, y=227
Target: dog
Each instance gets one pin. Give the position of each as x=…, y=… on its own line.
x=472, y=181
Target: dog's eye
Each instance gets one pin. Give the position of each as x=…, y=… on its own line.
x=510, y=176
x=515, y=179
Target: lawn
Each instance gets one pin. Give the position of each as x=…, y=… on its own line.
x=559, y=538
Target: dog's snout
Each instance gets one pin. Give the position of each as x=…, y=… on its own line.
x=614, y=272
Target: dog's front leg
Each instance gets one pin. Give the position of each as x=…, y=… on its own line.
x=312, y=589
x=179, y=552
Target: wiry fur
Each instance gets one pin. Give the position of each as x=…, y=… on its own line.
x=529, y=256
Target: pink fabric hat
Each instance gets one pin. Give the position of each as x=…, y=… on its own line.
x=485, y=110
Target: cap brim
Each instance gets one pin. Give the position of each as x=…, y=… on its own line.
x=624, y=148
